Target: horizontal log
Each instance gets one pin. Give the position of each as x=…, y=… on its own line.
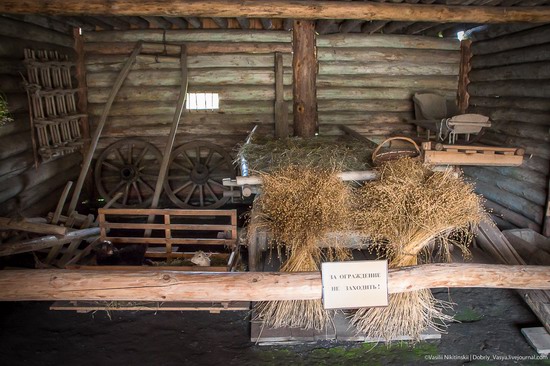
x=33, y=177
x=536, y=148
x=187, y=129
x=46, y=242
x=12, y=67
x=179, y=36
x=510, y=57
x=371, y=105
x=485, y=32
x=387, y=68
x=20, y=124
x=44, y=22
x=512, y=114
x=345, y=117
x=502, y=224
x=522, y=129
x=534, y=104
x=529, y=37
x=199, y=48
x=369, y=129
x=384, y=54
x=152, y=108
x=170, y=93
x=15, y=144
x=39, y=228
x=33, y=195
x=537, y=164
x=218, y=77
x=98, y=63
x=522, y=189
x=16, y=29
x=424, y=83
x=13, y=163
x=284, y=9
x=510, y=88
x=387, y=41
x=17, y=102
x=522, y=174
x=13, y=47
x=531, y=70
x=517, y=204
x=43, y=205
x=48, y=285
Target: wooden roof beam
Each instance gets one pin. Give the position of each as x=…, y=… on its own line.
x=180, y=23
x=158, y=22
x=96, y=22
x=373, y=26
x=348, y=25
x=137, y=21
x=266, y=23
x=322, y=26
x=194, y=22
x=244, y=23
x=116, y=22
x=305, y=9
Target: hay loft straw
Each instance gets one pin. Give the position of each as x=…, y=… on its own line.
x=406, y=211
x=300, y=206
x=317, y=153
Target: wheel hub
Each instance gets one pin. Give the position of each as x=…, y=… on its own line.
x=128, y=173
x=200, y=174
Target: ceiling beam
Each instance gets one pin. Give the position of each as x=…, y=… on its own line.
x=304, y=9
x=349, y=25
x=180, y=23
x=158, y=22
x=244, y=23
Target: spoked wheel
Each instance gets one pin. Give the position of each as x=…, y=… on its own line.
x=195, y=175
x=130, y=166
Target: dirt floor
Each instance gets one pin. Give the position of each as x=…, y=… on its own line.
x=31, y=334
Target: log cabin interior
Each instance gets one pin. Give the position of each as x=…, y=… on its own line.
x=108, y=98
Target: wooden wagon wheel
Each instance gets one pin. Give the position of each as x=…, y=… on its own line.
x=130, y=166
x=195, y=175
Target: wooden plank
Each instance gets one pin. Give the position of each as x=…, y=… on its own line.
x=99, y=127
x=39, y=228
x=151, y=285
x=283, y=9
x=45, y=242
x=85, y=306
x=304, y=71
x=117, y=269
x=162, y=241
x=170, y=211
x=459, y=158
x=193, y=227
x=345, y=176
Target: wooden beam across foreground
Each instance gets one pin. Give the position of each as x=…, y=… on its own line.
x=154, y=285
x=282, y=9
x=304, y=77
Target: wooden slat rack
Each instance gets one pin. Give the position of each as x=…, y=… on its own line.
x=172, y=228
x=440, y=154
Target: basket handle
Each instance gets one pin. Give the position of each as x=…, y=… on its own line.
x=395, y=138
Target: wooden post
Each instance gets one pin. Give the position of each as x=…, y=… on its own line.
x=158, y=285
x=281, y=108
x=82, y=103
x=463, y=77
x=304, y=65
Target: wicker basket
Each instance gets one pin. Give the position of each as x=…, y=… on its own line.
x=380, y=156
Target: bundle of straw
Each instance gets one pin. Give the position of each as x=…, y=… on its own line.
x=318, y=153
x=300, y=206
x=405, y=212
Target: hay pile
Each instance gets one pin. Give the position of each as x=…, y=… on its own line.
x=300, y=206
x=318, y=153
x=406, y=212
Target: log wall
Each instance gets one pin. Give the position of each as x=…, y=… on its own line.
x=510, y=82
x=363, y=81
x=25, y=190
x=367, y=82
x=239, y=65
